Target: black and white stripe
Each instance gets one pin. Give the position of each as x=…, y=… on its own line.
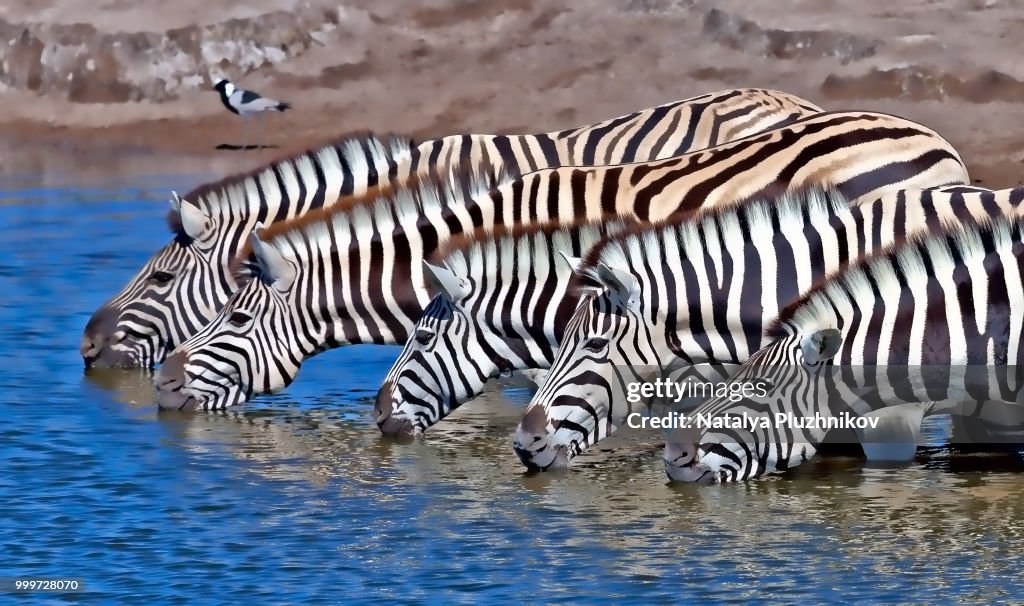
x=181, y=287
x=702, y=291
x=500, y=299
x=379, y=299
x=933, y=327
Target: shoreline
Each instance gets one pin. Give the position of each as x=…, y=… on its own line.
x=190, y=146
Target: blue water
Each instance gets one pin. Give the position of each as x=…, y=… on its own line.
x=296, y=498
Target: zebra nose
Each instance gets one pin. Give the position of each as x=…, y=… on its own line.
x=536, y=444
x=97, y=332
x=89, y=348
x=531, y=430
x=384, y=410
x=171, y=375
x=535, y=422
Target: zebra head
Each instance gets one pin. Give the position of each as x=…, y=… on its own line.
x=159, y=308
x=249, y=344
x=740, y=436
x=441, y=366
x=605, y=344
x=501, y=305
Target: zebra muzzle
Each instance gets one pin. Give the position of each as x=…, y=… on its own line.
x=384, y=413
x=97, y=332
x=534, y=444
x=170, y=381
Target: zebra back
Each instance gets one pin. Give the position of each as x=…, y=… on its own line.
x=656, y=133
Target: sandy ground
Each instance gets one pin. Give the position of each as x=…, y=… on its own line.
x=443, y=66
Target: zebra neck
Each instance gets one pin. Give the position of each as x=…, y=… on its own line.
x=362, y=293
x=292, y=187
x=520, y=282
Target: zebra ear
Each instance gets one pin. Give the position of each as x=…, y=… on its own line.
x=585, y=288
x=445, y=281
x=193, y=220
x=277, y=270
x=821, y=346
x=622, y=283
x=575, y=263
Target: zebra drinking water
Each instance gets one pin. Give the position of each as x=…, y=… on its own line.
x=501, y=298
x=933, y=327
x=326, y=281
x=702, y=291
x=180, y=289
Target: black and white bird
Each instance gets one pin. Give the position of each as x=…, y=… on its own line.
x=246, y=103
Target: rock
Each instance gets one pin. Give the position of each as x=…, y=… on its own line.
x=747, y=36
x=920, y=83
x=83, y=64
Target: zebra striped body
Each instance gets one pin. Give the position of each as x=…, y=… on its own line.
x=702, y=291
x=371, y=290
x=182, y=287
x=932, y=327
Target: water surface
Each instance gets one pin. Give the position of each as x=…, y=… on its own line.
x=296, y=498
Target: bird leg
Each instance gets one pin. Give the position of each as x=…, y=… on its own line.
x=245, y=133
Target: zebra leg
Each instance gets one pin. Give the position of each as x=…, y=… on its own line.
x=893, y=432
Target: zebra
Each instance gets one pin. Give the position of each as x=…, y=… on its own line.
x=931, y=327
x=320, y=298
x=503, y=319
x=185, y=283
x=658, y=299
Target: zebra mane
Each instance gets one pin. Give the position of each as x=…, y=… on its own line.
x=645, y=243
x=520, y=245
x=885, y=270
x=228, y=195
x=382, y=209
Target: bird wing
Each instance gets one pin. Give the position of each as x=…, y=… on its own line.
x=248, y=96
x=249, y=102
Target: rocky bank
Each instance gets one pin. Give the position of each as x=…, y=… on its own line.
x=86, y=79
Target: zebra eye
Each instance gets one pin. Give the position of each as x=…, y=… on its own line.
x=424, y=336
x=596, y=344
x=239, y=318
x=161, y=277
